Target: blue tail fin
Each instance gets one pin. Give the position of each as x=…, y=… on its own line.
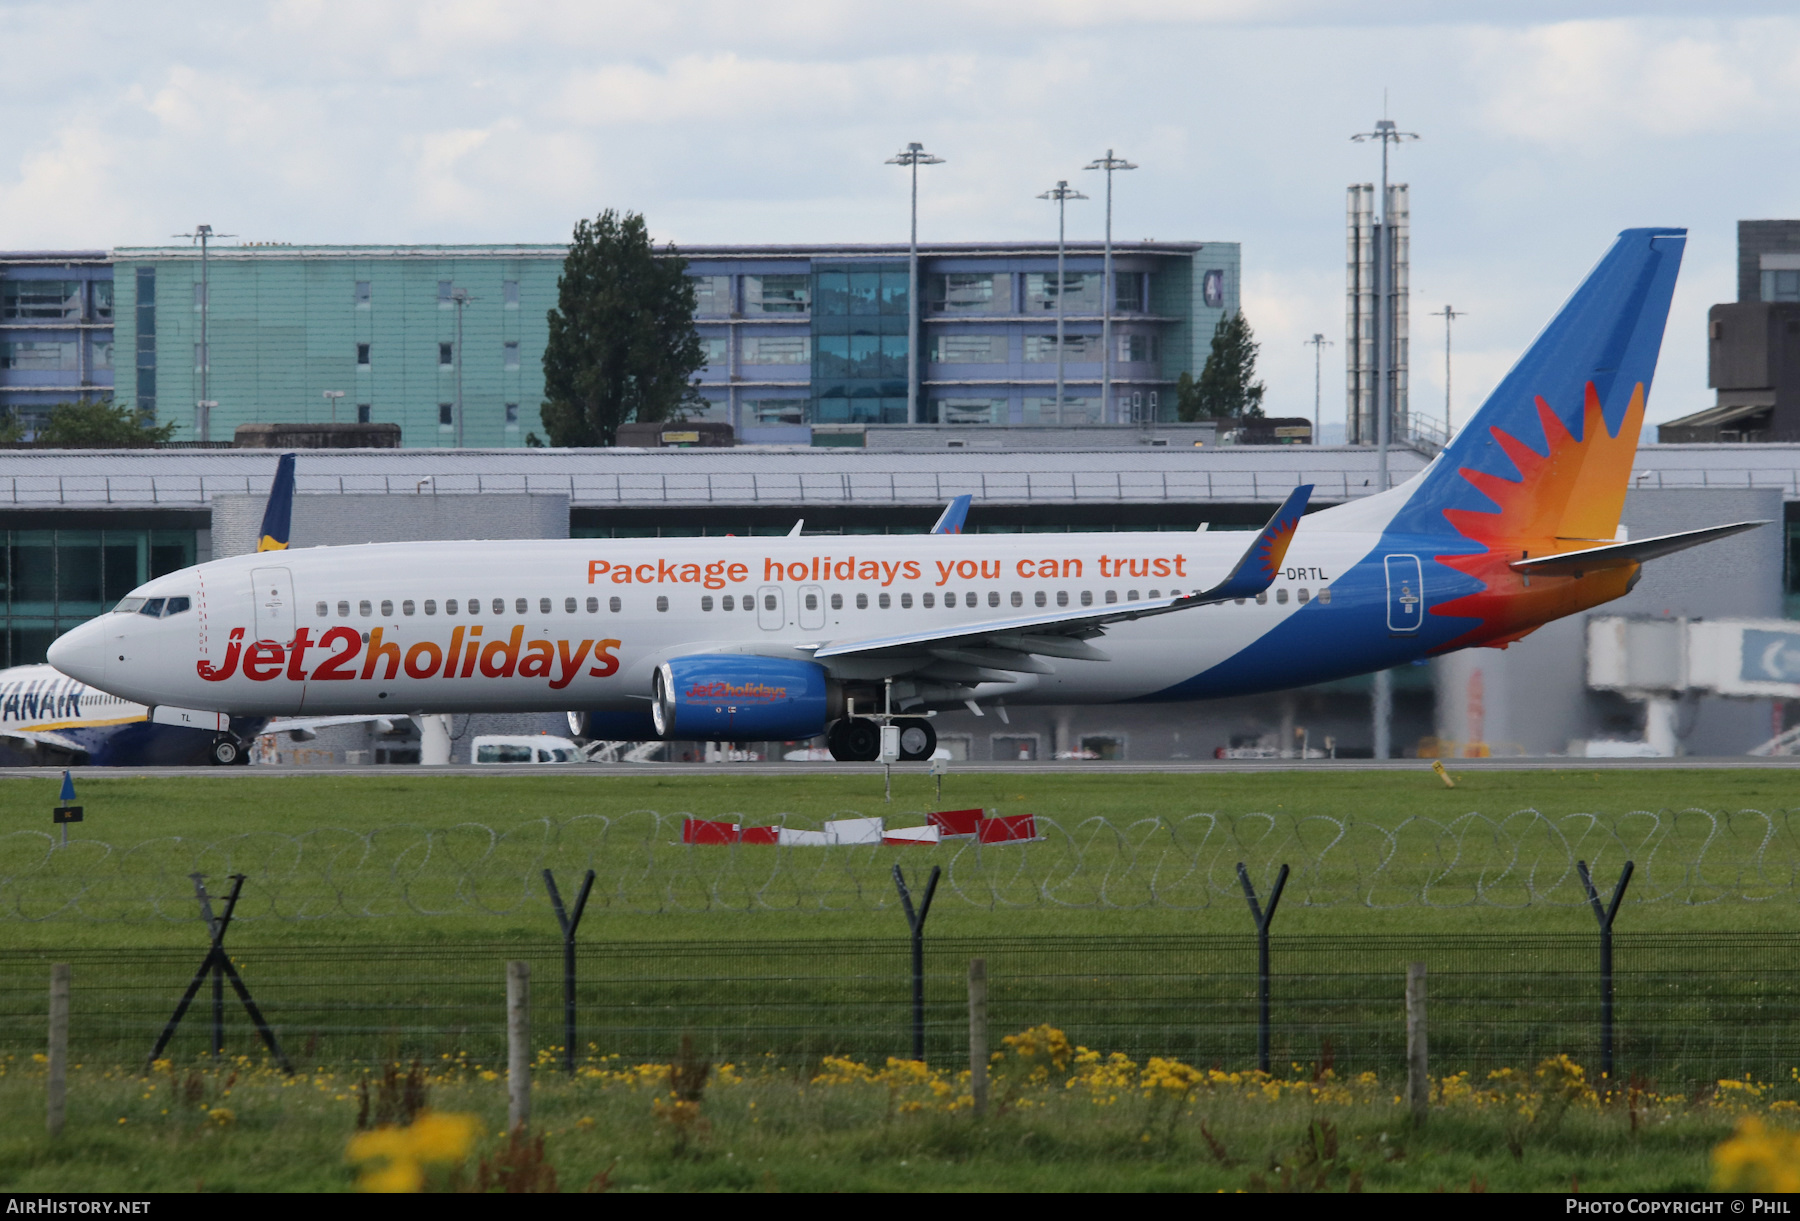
x=950, y=521
x=278, y=518
x=1549, y=455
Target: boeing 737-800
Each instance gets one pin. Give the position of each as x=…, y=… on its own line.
x=1514, y=524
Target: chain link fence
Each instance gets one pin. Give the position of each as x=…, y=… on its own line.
x=1690, y=1007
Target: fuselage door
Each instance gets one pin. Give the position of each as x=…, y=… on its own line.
x=812, y=607
x=770, y=612
x=273, y=590
x=1405, y=593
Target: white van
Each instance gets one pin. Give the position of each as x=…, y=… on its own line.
x=523, y=748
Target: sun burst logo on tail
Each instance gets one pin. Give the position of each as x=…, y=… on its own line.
x=1568, y=496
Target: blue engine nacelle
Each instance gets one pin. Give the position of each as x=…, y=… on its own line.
x=733, y=697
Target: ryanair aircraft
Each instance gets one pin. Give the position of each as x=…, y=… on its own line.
x=1513, y=525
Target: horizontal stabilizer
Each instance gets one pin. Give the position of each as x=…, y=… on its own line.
x=1617, y=555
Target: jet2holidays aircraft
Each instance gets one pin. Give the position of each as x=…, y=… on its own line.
x=1513, y=525
x=46, y=717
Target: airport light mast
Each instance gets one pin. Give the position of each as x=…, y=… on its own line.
x=1109, y=163
x=913, y=156
x=204, y=404
x=1062, y=193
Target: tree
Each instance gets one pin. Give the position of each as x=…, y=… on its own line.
x=100, y=424
x=622, y=342
x=1227, y=387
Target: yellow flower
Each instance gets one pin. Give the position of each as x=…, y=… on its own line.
x=432, y=1139
x=1757, y=1158
x=224, y=1117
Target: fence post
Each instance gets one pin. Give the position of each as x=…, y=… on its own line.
x=1263, y=917
x=518, y=1045
x=1605, y=917
x=916, y=919
x=1418, y=1063
x=58, y=1086
x=570, y=921
x=978, y=1035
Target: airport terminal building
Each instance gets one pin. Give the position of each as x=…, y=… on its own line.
x=447, y=342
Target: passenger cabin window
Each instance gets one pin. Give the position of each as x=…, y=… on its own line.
x=613, y=604
x=500, y=607
x=568, y=606
x=1062, y=597
x=706, y=602
x=1112, y=595
x=950, y=601
x=905, y=601
x=406, y=607
x=543, y=606
x=431, y=606
x=1038, y=599
x=837, y=601
x=323, y=609
x=930, y=600
x=343, y=610
x=662, y=602
x=862, y=601
x=886, y=601
x=728, y=603
x=365, y=609
x=1325, y=596
x=449, y=606
x=1018, y=599
x=1087, y=597
x=1131, y=595
x=387, y=609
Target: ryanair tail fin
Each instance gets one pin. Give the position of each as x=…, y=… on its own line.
x=1548, y=457
x=278, y=517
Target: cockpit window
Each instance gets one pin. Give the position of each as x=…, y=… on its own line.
x=175, y=606
x=128, y=606
x=153, y=608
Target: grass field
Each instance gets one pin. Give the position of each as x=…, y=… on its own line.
x=1058, y=1120
x=1457, y=865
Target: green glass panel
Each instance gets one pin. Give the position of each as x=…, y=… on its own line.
x=78, y=566
x=33, y=563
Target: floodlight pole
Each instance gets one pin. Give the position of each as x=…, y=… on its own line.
x=1062, y=193
x=1318, y=343
x=203, y=406
x=1109, y=163
x=1449, y=314
x=460, y=297
x=913, y=156
x=1386, y=132
x=332, y=397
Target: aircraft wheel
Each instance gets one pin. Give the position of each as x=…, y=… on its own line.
x=227, y=750
x=853, y=740
x=918, y=740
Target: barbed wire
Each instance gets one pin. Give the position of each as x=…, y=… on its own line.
x=1690, y=856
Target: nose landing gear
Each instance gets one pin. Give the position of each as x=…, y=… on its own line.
x=227, y=750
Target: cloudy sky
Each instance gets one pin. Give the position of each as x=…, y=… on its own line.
x=1546, y=127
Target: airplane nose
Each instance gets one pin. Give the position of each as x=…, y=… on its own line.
x=81, y=652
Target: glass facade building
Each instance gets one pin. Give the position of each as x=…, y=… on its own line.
x=794, y=335
x=58, y=570
x=56, y=329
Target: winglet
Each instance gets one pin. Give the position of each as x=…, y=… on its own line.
x=1257, y=570
x=951, y=520
x=278, y=518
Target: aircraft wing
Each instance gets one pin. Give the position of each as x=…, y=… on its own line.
x=1617, y=555
x=39, y=737
x=1003, y=643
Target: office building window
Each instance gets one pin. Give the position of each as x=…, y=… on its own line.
x=1041, y=349
x=512, y=415
x=1072, y=411
x=785, y=294
x=1140, y=347
x=103, y=353
x=362, y=355
x=103, y=300
x=45, y=300
x=364, y=413
x=714, y=348
x=769, y=412
x=862, y=293
x=36, y=355
x=967, y=411
x=365, y=294
x=509, y=294
x=446, y=354
x=1081, y=293
x=444, y=287
x=1129, y=290
x=1781, y=286
x=969, y=293
x=968, y=349
x=446, y=415
x=509, y=355
x=786, y=350
x=712, y=296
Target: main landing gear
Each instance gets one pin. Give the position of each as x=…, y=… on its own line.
x=227, y=750
x=858, y=739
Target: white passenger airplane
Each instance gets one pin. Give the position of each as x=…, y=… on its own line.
x=1514, y=524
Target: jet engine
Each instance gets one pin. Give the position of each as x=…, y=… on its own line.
x=740, y=698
